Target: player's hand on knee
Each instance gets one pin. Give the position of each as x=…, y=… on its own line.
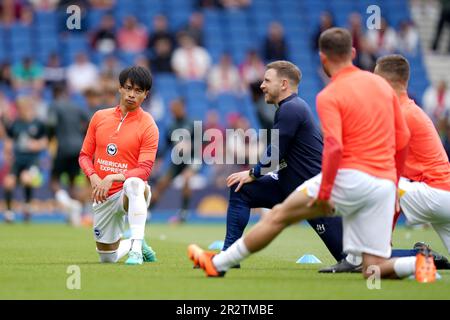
x=100, y=193
x=241, y=178
x=95, y=180
x=323, y=207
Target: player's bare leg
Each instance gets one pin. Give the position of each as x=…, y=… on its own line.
x=385, y=266
x=9, y=184
x=293, y=209
x=421, y=265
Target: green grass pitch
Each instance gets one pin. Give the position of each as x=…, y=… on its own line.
x=34, y=260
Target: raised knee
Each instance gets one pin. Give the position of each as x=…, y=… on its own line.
x=134, y=186
x=277, y=216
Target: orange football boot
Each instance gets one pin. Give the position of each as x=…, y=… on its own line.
x=425, y=268
x=206, y=263
x=194, y=252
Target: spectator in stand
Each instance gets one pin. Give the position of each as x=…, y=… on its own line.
x=326, y=22
x=54, y=72
x=243, y=147
x=142, y=61
x=94, y=101
x=382, y=41
x=102, y=4
x=27, y=137
x=10, y=11
x=7, y=110
x=275, y=47
x=82, y=74
x=436, y=103
x=161, y=60
x=104, y=39
x=132, y=37
x=28, y=75
x=44, y=5
x=160, y=31
x=40, y=106
x=6, y=75
x=195, y=27
x=26, y=16
x=252, y=71
x=224, y=77
x=111, y=67
x=408, y=39
x=447, y=135
x=443, y=19
x=190, y=62
x=208, y=4
x=234, y=4
x=364, y=59
x=67, y=124
x=110, y=96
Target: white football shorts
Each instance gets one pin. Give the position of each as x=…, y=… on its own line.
x=109, y=218
x=366, y=204
x=421, y=203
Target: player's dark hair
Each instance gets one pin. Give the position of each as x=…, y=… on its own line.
x=59, y=90
x=138, y=76
x=394, y=67
x=286, y=69
x=336, y=43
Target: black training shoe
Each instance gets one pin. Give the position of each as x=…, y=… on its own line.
x=440, y=261
x=342, y=266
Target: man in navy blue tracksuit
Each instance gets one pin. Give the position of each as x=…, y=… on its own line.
x=299, y=152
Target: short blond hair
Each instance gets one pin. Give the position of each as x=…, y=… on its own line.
x=287, y=70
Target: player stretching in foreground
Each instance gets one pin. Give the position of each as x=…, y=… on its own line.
x=117, y=155
x=425, y=183
x=365, y=144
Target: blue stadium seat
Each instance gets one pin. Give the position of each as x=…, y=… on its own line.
x=341, y=10
x=288, y=6
x=226, y=103
x=95, y=16
x=46, y=21
x=19, y=31
x=178, y=19
x=314, y=9
x=4, y=44
x=154, y=6
x=193, y=88
x=262, y=6
x=249, y=111
x=128, y=58
x=213, y=31
x=46, y=46
x=212, y=15
x=166, y=81
x=196, y=107
x=236, y=18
